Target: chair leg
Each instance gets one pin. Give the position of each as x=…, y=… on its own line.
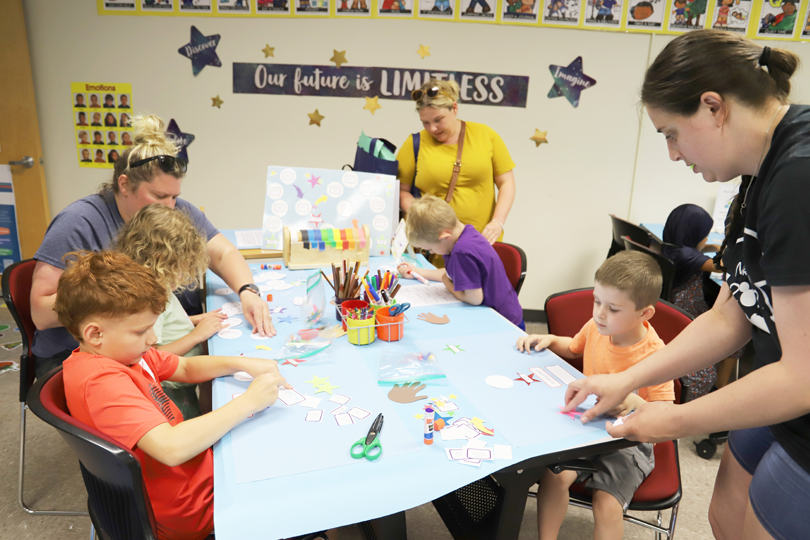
x=92, y=531
x=21, y=497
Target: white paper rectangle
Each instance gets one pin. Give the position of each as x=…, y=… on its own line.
x=338, y=410
x=479, y=453
x=545, y=377
x=425, y=295
x=337, y=398
x=526, y=378
x=359, y=413
x=455, y=454
x=475, y=443
x=469, y=432
x=251, y=238
x=289, y=397
x=562, y=374
x=471, y=462
x=310, y=402
x=451, y=434
x=314, y=415
x=447, y=407
x=503, y=451
x=343, y=419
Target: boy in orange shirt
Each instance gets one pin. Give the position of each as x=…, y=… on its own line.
x=112, y=383
x=626, y=289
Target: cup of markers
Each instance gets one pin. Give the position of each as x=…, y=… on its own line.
x=389, y=328
x=360, y=324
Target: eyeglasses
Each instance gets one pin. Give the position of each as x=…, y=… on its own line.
x=167, y=163
x=416, y=95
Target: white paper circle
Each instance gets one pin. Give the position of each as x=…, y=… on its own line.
x=275, y=275
x=231, y=306
x=223, y=292
x=275, y=191
x=233, y=321
x=380, y=223
x=298, y=300
x=349, y=179
x=259, y=336
x=279, y=208
x=334, y=189
x=243, y=376
x=280, y=285
x=229, y=333
x=345, y=209
x=303, y=207
x=377, y=204
x=266, y=287
x=368, y=189
x=258, y=278
x=499, y=381
x=273, y=224
x=288, y=176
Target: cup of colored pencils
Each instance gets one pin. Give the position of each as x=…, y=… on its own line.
x=345, y=284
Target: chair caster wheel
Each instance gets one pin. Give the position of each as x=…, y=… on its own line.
x=706, y=448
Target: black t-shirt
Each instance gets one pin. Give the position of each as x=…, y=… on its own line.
x=773, y=250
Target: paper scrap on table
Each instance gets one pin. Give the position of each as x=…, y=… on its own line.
x=339, y=410
x=455, y=454
x=447, y=407
x=233, y=321
x=314, y=415
x=230, y=309
x=229, y=333
x=310, y=402
x=343, y=419
x=479, y=453
x=298, y=300
x=545, y=377
x=471, y=462
x=475, y=443
x=243, y=376
x=503, y=451
x=289, y=396
x=251, y=238
x=562, y=374
x=499, y=381
x=337, y=398
x=619, y=421
x=425, y=295
x=359, y=413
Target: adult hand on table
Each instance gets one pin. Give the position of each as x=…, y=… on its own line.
x=492, y=231
x=652, y=422
x=257, y=314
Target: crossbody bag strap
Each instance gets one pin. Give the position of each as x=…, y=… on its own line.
x=457, y=164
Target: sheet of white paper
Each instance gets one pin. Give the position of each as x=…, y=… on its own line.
x=503, y=451
x=451, y=434
x=499, y=381
x=359, y=413
x=252, y=238
x=289, y=397
x=479, y=453
x=475, y=443
x=471, y=462
x=310, y=402
x=343, y=419
x=562, y=374
x=426, y=295
x=455, y=454
x=229, y=333
x=545, y=377
x=314, y=415
x=233, y=321
x=337, y=398
x=448, y=407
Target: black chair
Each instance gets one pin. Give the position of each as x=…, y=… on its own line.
x=622, y=228
x=17, y=280
x=667, y=266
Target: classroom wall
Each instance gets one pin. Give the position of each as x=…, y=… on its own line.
x=603, y=157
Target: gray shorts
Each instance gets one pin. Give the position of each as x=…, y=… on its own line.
x=620, y=472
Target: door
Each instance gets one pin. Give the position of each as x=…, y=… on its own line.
x=19, y=128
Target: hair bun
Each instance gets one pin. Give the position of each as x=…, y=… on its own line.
x=148, y=130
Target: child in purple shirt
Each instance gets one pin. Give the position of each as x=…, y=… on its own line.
x=473, y=272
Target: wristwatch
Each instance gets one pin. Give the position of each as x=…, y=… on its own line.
x=250, y=287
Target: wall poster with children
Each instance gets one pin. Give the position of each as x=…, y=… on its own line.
x=436, y=9
x=521, y=10
x=306, y=198
x=565, y=12
x=101, y=119
x=646, y=14
x=686, y=16
x=732, y=15
x=604, y=13
x=779, y=18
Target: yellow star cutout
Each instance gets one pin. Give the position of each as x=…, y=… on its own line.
x=216, y=102
x=539, y=137
x=268, y=51
x=263, y=348
x=372, y=104
x=325, y=387
x=423, y=51
x=272, y=173
x=315, y=118
x=318, y=380
x=419, y=416
x=339, y=58
x=453, y=396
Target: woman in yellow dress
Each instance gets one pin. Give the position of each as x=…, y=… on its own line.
x=485, y=162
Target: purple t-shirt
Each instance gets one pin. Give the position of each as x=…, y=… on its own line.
x=474, y=264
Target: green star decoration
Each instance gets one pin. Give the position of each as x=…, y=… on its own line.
x=317, y=381
x=325, y=387
x=454, y=349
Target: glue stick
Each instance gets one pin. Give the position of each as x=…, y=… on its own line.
x=429, y=425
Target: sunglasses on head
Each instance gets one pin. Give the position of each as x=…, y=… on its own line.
x=416, y=95
x=167, y=163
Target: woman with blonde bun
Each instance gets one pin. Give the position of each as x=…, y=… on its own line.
x=147, y=172
x=485, y=162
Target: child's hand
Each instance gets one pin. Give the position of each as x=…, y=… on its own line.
x=540, y=342
x=405, y=270
x=630, y=404
x=263, y=391
x=197, y=319
x=207, y=327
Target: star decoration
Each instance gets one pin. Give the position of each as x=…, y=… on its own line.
x=423, y=51
x=314, y=181
x=268, y=51
x=184, y=139
x=572, y=414
x=453, y=396
x=216, y=102
x=315, y=118
x=419, y=416
x=293, y=362
x=325, y=387
x=339, y=58
x=454, y=349
x=317, y=380
x=287, y=319
x=372, y=104
x=528, y=379
x=272, y=173
x=539, y=137
x=450, y=413
x=263, y=348
x=569, y=81
x=201, y=50
x=313, y=318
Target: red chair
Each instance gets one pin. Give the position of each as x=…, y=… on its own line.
x=514, y=262
x=567, y=313
x=17, y=280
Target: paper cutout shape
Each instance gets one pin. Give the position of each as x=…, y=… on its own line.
x=293, y=362
x=572, y=414
x=315, y=118
x=289, y=396
x=229, y=333
x=339, y=58
x=311, y=402
x=314, y=415
x=232, y=321
x=419, y=416
x=314, y=181
x=423, y=51
x=539, y=137
x=337, y=398
x=528, y=379
x=216, y=102
x=243, y=376
x=339, y=410
x=372, y=104
x=315, y=381
x=499, y=381
x=263, y=348
x=569, y=81
x=619, y=421
x=359, y=413
x=453, y=396
x=479, y=425
x=344, y=419
x=406, y=393
x=287, y=319
x=433, y=319
x=269, y=51
x=325, y=387
x=184, y=139
x=454, y=349
x=201, y=50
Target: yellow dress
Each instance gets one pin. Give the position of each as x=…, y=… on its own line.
x=485, y=156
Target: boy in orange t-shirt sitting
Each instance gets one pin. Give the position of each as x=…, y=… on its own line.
x=626, y=289
x=112, y=383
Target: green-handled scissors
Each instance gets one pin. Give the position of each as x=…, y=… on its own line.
x=370, y=447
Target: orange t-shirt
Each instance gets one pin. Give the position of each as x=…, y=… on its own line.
x=124, y=403
x=600, y=356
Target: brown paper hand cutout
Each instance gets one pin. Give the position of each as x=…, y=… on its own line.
x=433, y=319
x=406, y=393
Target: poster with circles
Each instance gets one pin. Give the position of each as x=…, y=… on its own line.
x=304, y=198
x=101, y=118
